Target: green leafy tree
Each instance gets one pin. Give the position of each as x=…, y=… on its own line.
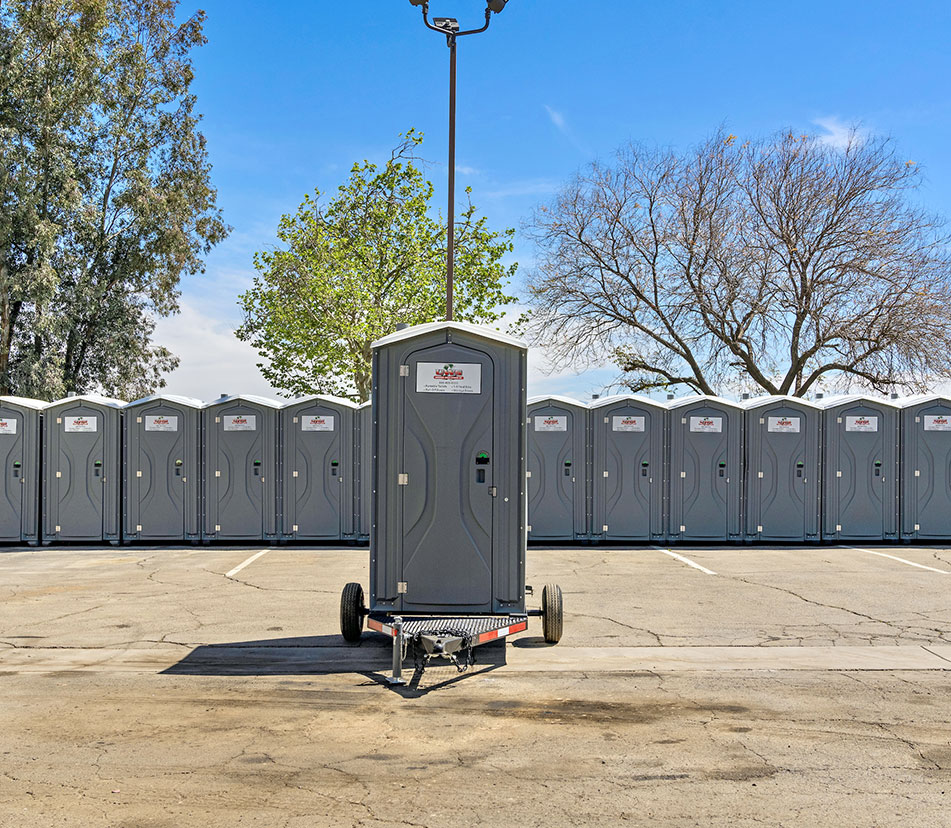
x=350, y=270
x=105, y=191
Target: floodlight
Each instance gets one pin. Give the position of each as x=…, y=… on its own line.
x=447, y=24
x=494, y=5
x=417, y=2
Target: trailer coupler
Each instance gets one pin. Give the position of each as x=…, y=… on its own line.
x=454, y=645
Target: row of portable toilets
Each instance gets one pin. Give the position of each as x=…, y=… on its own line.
x=167, y=468
x=705, y=469
x=621, y=469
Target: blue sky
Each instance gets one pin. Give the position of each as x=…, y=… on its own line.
x=293, y=93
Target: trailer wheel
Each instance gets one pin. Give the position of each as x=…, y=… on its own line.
x=351, y=612
x=552, y=613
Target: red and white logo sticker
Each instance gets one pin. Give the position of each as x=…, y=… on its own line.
x=161, y=422
x=8, y=426
x=240, y=422
x=861, y=422
x=80, y=425
x=710, y=425
x=783, y=424
x=627, y=423
x=937, y=422
x=317, y=422
x=449, y=378
x=551, y=423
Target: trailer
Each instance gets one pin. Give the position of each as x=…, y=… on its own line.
x=448, y=514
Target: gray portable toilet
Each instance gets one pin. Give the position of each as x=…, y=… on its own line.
x=363, y=452
x=628, y=441
x=449, y=527
x=782, y=445
x=20, y=419
x=705, y=479
x=240, y=468
x=81, y=473
x=317, y=468
x=860, y=469
x=926, y=467
x=161, y=497
x=557, y=469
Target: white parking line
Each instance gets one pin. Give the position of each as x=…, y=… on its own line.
x=900, y=560
x=250, y=560
x=687, y=561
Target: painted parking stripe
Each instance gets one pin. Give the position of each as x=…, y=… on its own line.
x=687, y=561
x=243, y=564
x=900, y=560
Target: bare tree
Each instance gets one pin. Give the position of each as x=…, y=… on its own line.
x=783, y=263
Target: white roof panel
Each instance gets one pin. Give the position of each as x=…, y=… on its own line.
x=191, y=402
x=476, y=330
x=558, y=399
x=320, y=398
x=845, y=399
x=25, y=402
x=638, y=399
x=253, y=398
x=93, y=398
x=701, y=398
x=774, y=399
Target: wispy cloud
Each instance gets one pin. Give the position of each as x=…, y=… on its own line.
x=556, y=118
x=464, y=170
x=529, y=187
x=560, y=122
x=838, y=133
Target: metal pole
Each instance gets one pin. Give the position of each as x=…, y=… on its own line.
x=451, y=224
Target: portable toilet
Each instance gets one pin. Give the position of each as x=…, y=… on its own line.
x=782, y=441
x=364, y=462
x=20, y=454
x=705, y=479
x=81, y=473
x=317, y=468
x=239, y=468
x=860, y=469
x=628, y=439
x=926, y=467
x=161, y=497
x=449, y=529
x=557, y=469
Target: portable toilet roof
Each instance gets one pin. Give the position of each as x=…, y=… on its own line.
x=329, y=398
x=774, y=399
x=98, y=399
x=845, y=399
x=416, y=331
x=614, y=399
x=26, y=402
x=697, y=398
x=918, y=399
x=172, y=398
x=252, y=398
x=556, y=398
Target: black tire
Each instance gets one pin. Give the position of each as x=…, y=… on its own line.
x=351, y=612
x=552, y=613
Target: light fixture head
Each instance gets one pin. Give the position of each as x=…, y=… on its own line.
x=417, y=2
x=496, y=5
x=447, y=24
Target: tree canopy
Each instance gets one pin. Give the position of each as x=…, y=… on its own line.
x=105, y=190
x=781, y=265
x=350, y=269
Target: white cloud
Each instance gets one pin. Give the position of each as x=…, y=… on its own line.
x=556, y=118
x=464, y=170
x=837, y=133
x=532, y=186
x=213, y=360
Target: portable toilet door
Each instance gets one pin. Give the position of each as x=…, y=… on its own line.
x=926, y=467
x=860, y=479
x=557, y=469
x=317, y=465
x=628, y=437
x=705, y=481
x=240, y=468
x=448, y=529
x=782, y=443
x=161, y=499
x=81, y=472
x=20, y=455
x=364, y=462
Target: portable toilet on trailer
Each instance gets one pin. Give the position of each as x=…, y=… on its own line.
x=926, y=467
x=782, y=443
x=557, y=469
x=81, y=473
x=364, y=462
x=317, y=469
x=239, y=468
x=628, y=438
x=705, y=480
x=860, y=469
x=161, y=498
x=20, y=455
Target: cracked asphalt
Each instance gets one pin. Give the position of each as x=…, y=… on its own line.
x=795, y=686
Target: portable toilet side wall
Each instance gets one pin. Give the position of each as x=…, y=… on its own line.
x=240, y=468
x=20, y=429
x=449, y=528
x=161, y=498
x=557, y=469
x=628, y=436
x=81, y=470
x=317, y=469
x=705, y=480
x=860, y=463
x=782, y=469
x=364, y=463
x=926, y=467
